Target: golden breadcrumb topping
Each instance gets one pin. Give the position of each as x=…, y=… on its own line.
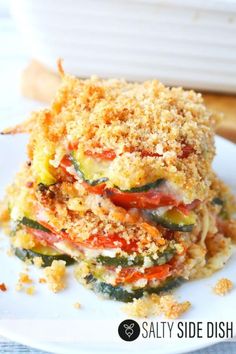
x=154, y=305
x=147, y=125
x=56, y=276
x=223, y=286
x=23, y=239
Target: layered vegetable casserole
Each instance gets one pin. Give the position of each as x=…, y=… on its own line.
x=119, y=181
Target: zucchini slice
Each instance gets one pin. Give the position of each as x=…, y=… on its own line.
x=217, y=201
x=120, y=294
x=33, y=224
x=173, y=219
x=138, y=260
x=47, y=254
x=95, y=172
x=145, y=187
x=90, y=170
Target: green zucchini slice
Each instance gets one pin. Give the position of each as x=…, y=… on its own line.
x=173, y=219
x=217, y=201
x=138, y=260
x=91, y=171
x=120, y=294
x=47, y=254
x=33, y=224
x=95, y=172
x=145, y=187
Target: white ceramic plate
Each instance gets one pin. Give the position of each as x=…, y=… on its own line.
x=50, y=322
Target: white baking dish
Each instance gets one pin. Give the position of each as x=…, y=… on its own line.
x=180, y=42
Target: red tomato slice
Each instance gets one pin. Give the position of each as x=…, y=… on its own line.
x=130, y=275
x=104, y=155
x=186, y=151
x=73, y=146
x=65, y=163
x=109, y=241
x=94, y=241
x=47, y=237
x=140, y=200
x=98, y=189
x=186, y=208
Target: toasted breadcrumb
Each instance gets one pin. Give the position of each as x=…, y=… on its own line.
x=145, y=307
x=223, y=286
x=77, y=305
x=23, y=240
x=38, y=261
x=30, y=290
x=25, y=279
x=4, y=212
x=42, y=280
x=171, y=308
x=154, y=305
x=3, y=287
x=55, y=276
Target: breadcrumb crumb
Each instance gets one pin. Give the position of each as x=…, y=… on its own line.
x=223, y=286
x=38, y=261
x=42, y=280
x=23, y=240
x=25, y=279
x=77, y=305
x=154, y=305
x=55, y=276
x=171, y=308
x=30, y=290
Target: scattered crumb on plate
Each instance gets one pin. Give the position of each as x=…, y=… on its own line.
x=223, y=286
x=30, y=290
x=55, y=275
x=25, y=279
x=42, y=280
x=77, y=305
x=154, y=305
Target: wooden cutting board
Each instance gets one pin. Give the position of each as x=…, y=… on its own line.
x=39, y=83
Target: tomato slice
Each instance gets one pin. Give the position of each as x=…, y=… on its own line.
x=109, y=241
x=104, y=155
x=140, y=200
x=186, y=151
x=49, y=238
x=186, y=208
x=98, y=189
x=130, y=275
x=65, y=163
x=94, y=241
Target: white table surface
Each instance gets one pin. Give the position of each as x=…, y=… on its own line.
x=14, y=108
